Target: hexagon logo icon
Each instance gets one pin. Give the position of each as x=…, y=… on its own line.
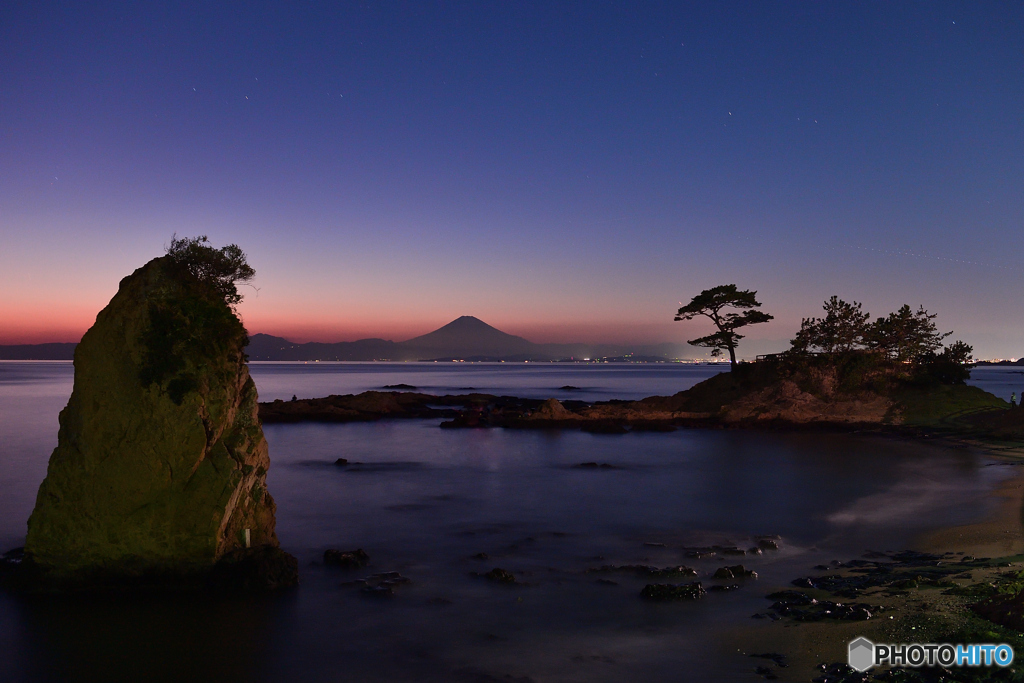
x=861, y=654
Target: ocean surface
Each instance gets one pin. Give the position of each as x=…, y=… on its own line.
x=424, y=501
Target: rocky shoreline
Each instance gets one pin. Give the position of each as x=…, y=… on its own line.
x=960, y=584
x=970, y=414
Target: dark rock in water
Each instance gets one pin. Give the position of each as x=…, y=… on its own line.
x=595, y=466
x=768, y=544
x=673, y=591
x=160, y=467
x=387, y=579
x=14, y=570
x=468, y=419
x=378, y=591
x=754, y=551
x=607, y=582
x=13, y=557
x=500, y=575
x=347, y=559
x=481, y=556
x=730, y=550
x=735, y=572
x=253, y=569
x=399, y=386
x=552, y=410
x=801, y=607
x=792, y=598
x=647, y=571
x=341, y=462
x=765, y=672
x=569, y=387
x=380, y=585
x=724, y=588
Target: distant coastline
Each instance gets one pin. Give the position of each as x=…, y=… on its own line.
x=52, y=351
x=466, y=339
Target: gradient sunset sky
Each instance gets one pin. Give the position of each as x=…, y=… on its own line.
x=563, y=171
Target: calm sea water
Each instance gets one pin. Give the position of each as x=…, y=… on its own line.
x=426, y=500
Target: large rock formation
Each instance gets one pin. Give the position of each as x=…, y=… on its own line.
x=160, y=468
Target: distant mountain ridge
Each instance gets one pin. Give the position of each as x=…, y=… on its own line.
x=465, y=338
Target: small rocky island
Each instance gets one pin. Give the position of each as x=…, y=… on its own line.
x=841, y=372
x=159, y=475
x=773, y=393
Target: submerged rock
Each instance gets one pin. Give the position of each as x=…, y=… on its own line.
x=160, y=467
x=347, y=559
x=737, y=571
x=673, y=591
x=500, y=575
x=647, y=571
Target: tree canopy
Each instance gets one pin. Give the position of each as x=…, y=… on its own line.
x=714, y=304
x=222, y=269
x=905, y=339
x=905, y=335
x=844, y=328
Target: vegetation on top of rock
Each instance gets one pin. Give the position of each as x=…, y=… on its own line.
x=710, y=303
x=192, y=322
x=906, y=342
x=844, y=328
x=221, y=269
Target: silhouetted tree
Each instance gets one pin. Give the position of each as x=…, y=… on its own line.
x=222, y=269
x=711, y=303
x=844, y=328
x=906, y=335
x=952, y=366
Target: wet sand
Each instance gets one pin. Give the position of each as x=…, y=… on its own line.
x=912, y=618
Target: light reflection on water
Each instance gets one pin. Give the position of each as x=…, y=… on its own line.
x=428, y=499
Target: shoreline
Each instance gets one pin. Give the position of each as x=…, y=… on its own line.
x=913, y=617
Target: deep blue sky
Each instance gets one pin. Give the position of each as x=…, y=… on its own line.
x=564, y=171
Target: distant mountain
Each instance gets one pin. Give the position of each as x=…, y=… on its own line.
x=469, y=336
x=466, y=338
x=54, y=351
x=267, y=347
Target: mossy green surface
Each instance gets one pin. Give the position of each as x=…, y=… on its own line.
x=942, y=405
x=161, y=461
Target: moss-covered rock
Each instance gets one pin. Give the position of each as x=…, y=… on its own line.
x=160, y=468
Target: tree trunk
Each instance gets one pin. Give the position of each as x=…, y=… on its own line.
x=732, y=358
